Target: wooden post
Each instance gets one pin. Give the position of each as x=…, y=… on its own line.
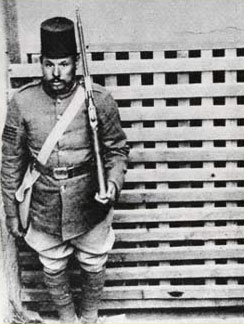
x=12, y=38
x=11, y=310
x=10, y=287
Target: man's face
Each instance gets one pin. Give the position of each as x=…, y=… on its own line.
x=59, y=73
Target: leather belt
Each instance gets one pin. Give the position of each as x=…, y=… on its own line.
x=62, y=173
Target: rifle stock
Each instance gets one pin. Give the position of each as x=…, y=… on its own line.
x=92, y=112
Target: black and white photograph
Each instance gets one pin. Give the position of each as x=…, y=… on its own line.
x=122, y=161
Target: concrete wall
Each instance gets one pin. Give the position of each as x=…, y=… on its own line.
x=130, y=21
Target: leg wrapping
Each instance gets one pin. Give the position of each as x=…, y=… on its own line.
x=60, y=292
x=92, y=284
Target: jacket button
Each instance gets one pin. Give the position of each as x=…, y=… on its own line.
x=63, y=188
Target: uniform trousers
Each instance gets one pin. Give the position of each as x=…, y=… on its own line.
x=91, y=248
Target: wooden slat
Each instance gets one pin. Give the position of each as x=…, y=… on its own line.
x=182, y=195
x=173, y=91
x=29, y=259
x=183, y=292
x=110, y=67
x=165, y=292
x=25, y=70
x=175, y=272
x=147, y=273
x=177, y=91
x=187, y=154
x=185, y=134
x=178, y=215
x=175, y=253
x=176, y=113
x=181, y=234
x=193, y=41
x=165, y=65
x=145, y=292
x=144, y=304
x=161, y=304
x=174, y=175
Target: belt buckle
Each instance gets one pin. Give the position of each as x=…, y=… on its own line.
x=60, y=173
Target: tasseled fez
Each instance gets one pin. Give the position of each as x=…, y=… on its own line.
x=58, y=38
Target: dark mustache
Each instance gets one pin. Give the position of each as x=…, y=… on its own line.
x=56, y=80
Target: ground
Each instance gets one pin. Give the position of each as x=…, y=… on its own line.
x=188, y=317
x=174, y=317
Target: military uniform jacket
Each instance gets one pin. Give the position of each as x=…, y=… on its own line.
x=60, y=207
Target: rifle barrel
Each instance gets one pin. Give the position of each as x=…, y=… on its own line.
x=91, y=110
x=82, y=43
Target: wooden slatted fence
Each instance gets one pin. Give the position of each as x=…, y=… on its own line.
x=179, y=222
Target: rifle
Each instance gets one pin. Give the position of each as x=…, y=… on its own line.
x=92, y=113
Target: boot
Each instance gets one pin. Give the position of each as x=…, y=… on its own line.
x=59, y=289
x=91, y=292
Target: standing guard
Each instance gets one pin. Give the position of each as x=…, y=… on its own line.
x=48, y=155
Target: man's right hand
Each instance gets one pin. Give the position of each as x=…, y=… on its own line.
x=13, y=227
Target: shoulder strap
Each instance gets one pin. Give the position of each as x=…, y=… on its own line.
x=61, y=126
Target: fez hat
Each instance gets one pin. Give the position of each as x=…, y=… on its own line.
x=58, y=38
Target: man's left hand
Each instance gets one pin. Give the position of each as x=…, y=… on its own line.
x=110, y=194
x=111, y=191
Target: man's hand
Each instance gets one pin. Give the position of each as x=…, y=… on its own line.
x=110, y=194
x=13, y=227
x=111, y=191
